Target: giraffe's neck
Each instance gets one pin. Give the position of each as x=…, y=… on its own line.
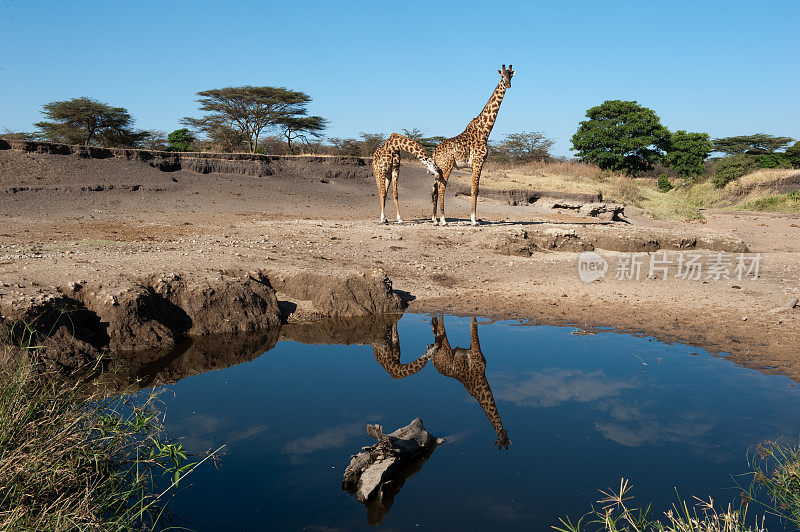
x=484, y=122
x=389, y=357
x=414, y=148
x=399, y=142
x=486, y=399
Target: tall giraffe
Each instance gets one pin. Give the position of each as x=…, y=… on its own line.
x=470, y=147
x=386, y=167
x=467, y=366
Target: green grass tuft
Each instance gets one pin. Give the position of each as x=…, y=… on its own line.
x=73, y=460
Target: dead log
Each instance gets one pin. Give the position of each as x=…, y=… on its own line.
x=376, y=474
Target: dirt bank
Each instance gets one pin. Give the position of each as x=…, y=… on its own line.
x=62, y=224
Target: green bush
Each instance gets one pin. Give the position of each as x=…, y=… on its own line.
x=733, y=167
x=180, y=140
x=663, y=183
x=793, y=155
x=773, y=160
x=686, y=152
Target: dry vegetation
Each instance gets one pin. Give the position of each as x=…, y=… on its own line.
x=774, y=190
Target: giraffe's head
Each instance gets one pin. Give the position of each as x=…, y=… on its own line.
x=506, y=74
x=431, y=166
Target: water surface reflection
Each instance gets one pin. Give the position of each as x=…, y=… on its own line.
x=582, y=411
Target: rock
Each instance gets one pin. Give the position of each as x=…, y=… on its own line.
x=604, y=211
x=152, y=313
x=335, y=296
x=791, y=304
x=377, y=473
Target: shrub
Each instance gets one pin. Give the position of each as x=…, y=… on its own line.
x=180, y=140
x=729, y=168
x=793, y=155
x=663, y=183
x=686, y=152
x=773, y=160
x=624, y=190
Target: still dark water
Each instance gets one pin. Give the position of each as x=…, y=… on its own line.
x=579, y=410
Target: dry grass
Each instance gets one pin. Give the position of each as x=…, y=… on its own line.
x=681, y=203
x=774, y=190
x=561, y=176
x=617, y=514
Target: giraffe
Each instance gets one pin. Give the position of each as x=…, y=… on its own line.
x=467, y=366
x=387, y=353
x=470, y=147
x=386, y=167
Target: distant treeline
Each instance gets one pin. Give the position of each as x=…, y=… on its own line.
x=618, y=136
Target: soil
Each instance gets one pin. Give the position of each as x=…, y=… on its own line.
x=258, y=240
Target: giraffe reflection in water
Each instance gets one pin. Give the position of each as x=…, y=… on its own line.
x=466, y=365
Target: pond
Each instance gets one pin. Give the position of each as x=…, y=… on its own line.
x=575, y=410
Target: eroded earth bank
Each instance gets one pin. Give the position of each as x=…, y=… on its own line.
x=114, y=250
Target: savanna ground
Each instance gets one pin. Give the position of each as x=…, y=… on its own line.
x=63, y=221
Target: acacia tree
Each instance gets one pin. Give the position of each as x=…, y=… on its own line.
x=370, y=142
x=297, y=127
x=249, y=110
x=686, y=152
x=348, y=146
x=222, y=136
x=524, y=147
x=620, y=136
x=757, y=144
x=430, y=143
x=88, y=121
x=413, y=133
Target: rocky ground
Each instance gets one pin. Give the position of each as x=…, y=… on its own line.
x=185, y=245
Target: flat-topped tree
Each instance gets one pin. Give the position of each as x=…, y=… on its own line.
x=250, y=110
x=88, y=121
x=298, y=127
x=757, y=144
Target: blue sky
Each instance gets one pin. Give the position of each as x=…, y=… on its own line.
x=726, y=68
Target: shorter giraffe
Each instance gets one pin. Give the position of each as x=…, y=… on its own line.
x=387, y=353
x=386, y=167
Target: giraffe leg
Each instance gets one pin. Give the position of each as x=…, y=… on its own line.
x=442, y=220
x=442, y=185
x=395, y=176
x=380, y=179
x=476, y=177
x=434, y=199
